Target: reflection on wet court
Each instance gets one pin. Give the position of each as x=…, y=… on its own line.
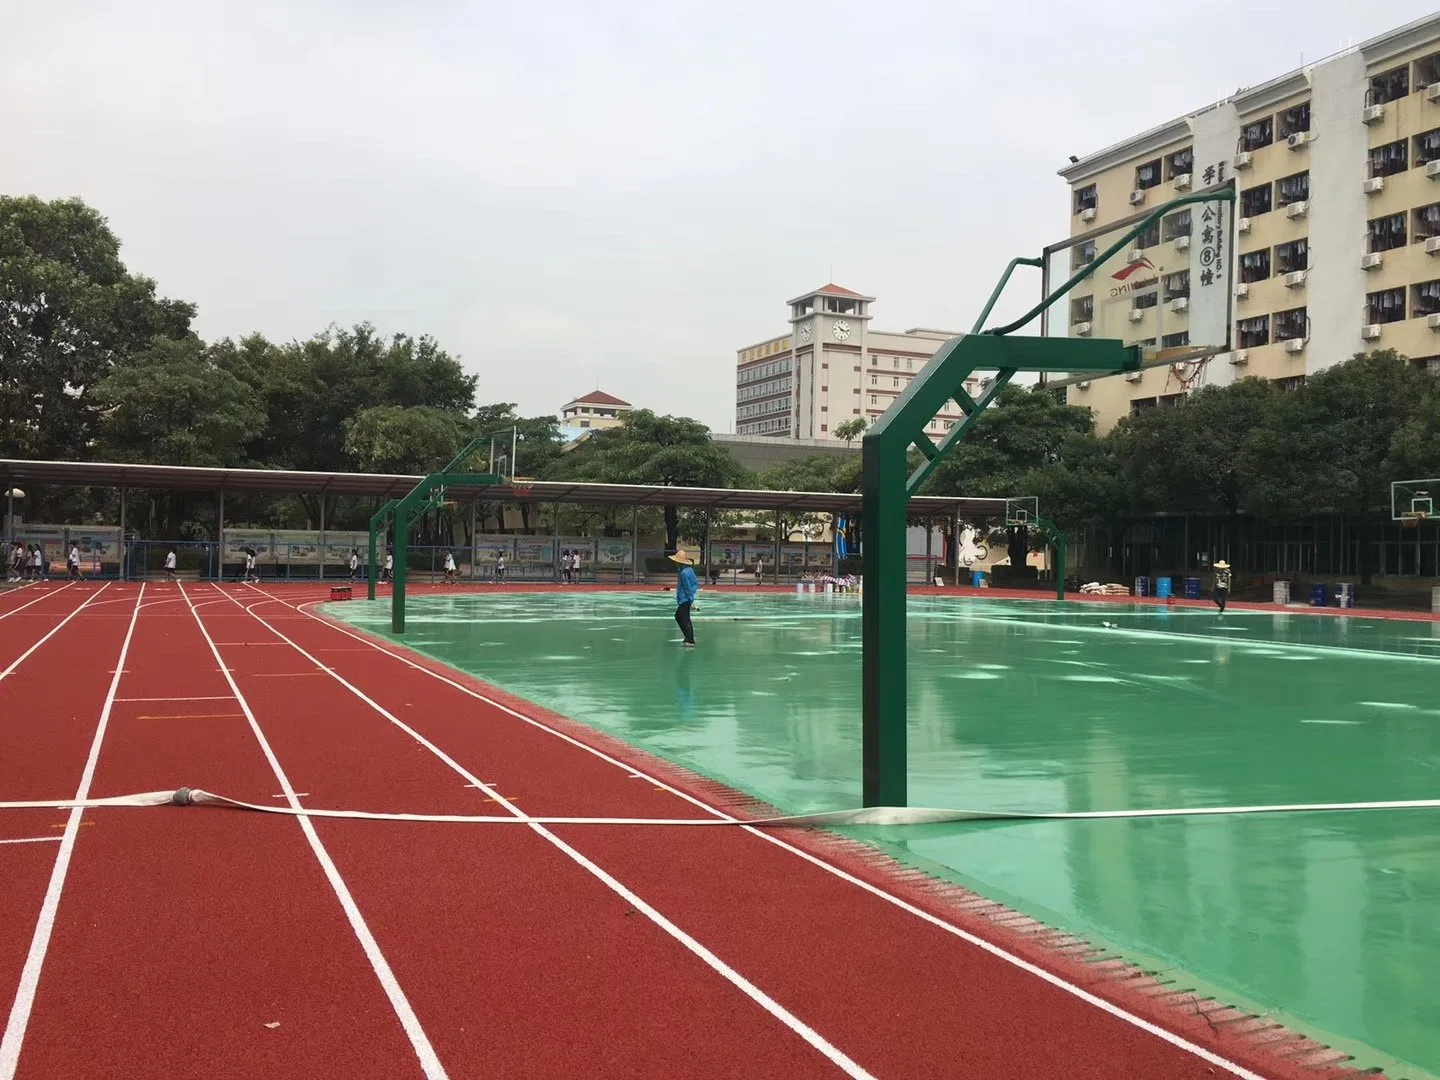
x=1326, y=921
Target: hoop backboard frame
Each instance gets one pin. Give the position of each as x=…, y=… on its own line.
x=1023, y=510
x=1147, y=274
x=1413, y=499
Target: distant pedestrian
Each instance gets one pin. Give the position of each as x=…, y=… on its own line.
x=1222, y=584
x=500, y=569
x=72, y=562
x=388, y=574
x=170, y=562
x=759, y=570
x=565, y=567
x=16, y=564
x=687, y=588
x=449, y=568
x=37, y=563
x=354, y=563
x=252, y=571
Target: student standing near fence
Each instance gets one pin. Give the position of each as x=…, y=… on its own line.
x=170, y=566
x=687, y=588
x=72, y=562
x=1222, y=584
x=354, y=563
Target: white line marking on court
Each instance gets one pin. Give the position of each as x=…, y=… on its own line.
x=24, y=1002
x=1119, y=1013
x=6, y=614
x=744, y=985
x=53, y=631
x=34, y=840
x=429, y=1059
x=211, y=697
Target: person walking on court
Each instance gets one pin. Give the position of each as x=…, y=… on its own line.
x=72, y=562
x=449, y=568
x=37, y=563
x=500, y=569
x=388, y=574
x=354, y=563
x=565, y=567
x=1222, y=584
x=687, y=588
x=170, y=566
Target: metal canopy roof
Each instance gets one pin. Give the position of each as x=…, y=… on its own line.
x=287, y=482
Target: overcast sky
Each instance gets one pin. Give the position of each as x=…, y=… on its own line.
x=617, y=194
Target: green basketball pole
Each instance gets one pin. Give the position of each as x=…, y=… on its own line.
x=887, y=487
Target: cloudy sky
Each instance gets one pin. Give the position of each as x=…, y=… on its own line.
x=577, y=194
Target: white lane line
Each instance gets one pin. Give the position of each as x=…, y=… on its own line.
x=429, y=1059
x=997, y=951
x=213, y=697
x=24, y=1002
x=54, y=630
x=46, y=593
x=817, y=1041
x=34, y=840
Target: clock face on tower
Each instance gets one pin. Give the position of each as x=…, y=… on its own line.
x=805, y=331
x=841, y=330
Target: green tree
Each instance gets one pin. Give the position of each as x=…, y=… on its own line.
x=69, y=312
x=817, y=472
x=1338, y=442
x=851, y=429
x=396, y=439
x=650, y=449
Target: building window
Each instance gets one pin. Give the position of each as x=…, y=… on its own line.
x=1177, y=224
x=1150, y=237
x=1139, y=405
x=1427, y=71
x=1086, y=198
x=824, y=408
x=1147, y=175
x=1181, y=161
x=874, y=380
x=824, y=427
x=1386, y=306
x=1388, y=160
x=1292, y=189
x=824, y=389
x=1295, y=120
x=1254, y=332
x=1426, y=299
x=1082, y=309
x=873, y=400
x=1291, y=324
x=1255, y=265
x=1292, y=256
x=1427, y=147
x=910, y=364
x=1177, y=285
x=1175, y=341
x=1255, y=201
x=897, y=363
x=894, y=382
x=1289, y=385
x=1257, y=134
x=1387, y=233
x=1146, y=300
x=1170, y=401
x=1082, y=255
x=1389, y=85
x=1426, y=223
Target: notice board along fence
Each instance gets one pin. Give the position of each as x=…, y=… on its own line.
x=100, y=546
x=292, y=553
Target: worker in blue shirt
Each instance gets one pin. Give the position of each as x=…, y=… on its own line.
x=687, y=587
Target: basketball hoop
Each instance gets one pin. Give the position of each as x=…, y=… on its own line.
x=1413, y=519
x=521, y=490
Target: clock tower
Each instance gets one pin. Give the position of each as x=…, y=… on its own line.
x=830, y=356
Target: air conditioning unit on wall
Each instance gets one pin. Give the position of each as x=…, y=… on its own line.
x=1371, y=332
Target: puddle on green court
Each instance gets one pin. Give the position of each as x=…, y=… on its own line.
x=1326, y=920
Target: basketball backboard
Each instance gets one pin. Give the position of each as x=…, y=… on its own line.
x=1169, y=290
x=1413, y=499
x=1023, y=510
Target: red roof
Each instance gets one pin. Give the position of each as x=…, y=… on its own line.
x=835, y=290
x=599, y=397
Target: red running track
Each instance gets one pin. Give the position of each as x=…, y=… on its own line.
x=222, y=943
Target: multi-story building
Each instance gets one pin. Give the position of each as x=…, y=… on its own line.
x=1337, y=171
x=829, y=369
x=596, y=410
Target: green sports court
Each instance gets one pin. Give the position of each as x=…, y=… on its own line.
x=1322, y=921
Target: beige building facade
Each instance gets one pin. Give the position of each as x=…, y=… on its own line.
x=831, y=367
x=1337, y=244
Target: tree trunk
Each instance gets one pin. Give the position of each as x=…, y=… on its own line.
x=672, y=529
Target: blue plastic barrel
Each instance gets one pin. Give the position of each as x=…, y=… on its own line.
x=1162, y=588
x=977, y=579
x=1319, y=595
x=1192, y=588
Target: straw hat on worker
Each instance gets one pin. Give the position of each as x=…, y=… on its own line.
x=1222, y=565
x=684, y=558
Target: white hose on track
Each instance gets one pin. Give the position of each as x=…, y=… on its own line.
x=873, y=815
